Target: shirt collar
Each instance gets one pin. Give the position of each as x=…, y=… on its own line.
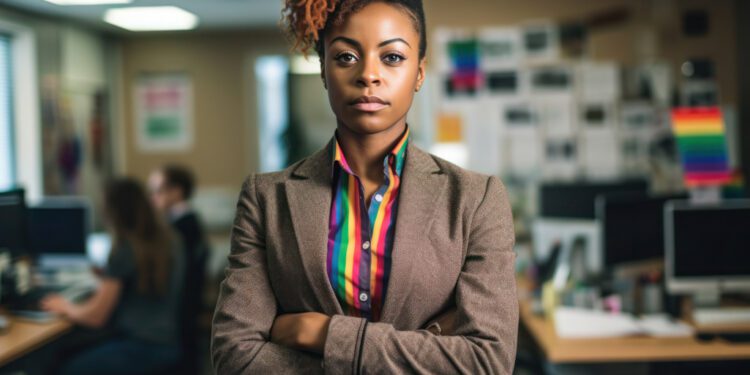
x=397, y=154
x=179, y=210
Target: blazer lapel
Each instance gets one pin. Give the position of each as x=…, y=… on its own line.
x=422, y=186
x=309, y=197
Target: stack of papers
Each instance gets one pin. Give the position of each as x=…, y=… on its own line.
x=573, y=322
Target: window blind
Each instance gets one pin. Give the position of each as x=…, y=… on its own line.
x=7, y=152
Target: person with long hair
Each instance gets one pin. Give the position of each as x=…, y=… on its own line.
x=371, y=255
x=171, y=187
x=138, y=294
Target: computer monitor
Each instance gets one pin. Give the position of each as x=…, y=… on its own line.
x=708, y=247
x=632, y=226
x=576, y=200
x=549, y=233
x=59, y=227
x=13, y=232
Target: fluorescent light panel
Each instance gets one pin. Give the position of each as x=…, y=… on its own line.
x=88, y=2
x=151, y=18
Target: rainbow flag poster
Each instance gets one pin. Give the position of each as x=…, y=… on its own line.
x=701, y=141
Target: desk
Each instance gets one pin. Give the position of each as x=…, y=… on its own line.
x=624, y=349
x=24, y=336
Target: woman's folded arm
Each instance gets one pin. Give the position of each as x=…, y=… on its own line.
x=486, y=317
x=246, y=307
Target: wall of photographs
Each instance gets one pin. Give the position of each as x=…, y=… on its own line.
x=525, y=102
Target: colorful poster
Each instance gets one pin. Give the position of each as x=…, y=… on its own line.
x=163, y=112
x=466, y=77
x=449, y=128
x=702, y=144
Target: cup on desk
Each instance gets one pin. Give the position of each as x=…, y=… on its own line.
x=651, y=299
x=625, y=288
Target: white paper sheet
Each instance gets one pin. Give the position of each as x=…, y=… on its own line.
x=501, y=48
x=600, y=153
x=524, y=151
x=598, y=81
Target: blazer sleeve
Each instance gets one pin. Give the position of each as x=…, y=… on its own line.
x=486, y=325
x=246, y=307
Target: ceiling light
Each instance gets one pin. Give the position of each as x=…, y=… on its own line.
x=151, y=18
x=88, y=2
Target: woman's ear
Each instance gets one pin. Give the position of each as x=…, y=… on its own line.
x=420, y=74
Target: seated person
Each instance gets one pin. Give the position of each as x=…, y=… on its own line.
x=139, y=293
x=171, y=188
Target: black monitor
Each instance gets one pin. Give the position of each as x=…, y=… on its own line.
x=707, y=246
x=576, y=200
x=13, y=232
x=59, y=228
x=632, y=226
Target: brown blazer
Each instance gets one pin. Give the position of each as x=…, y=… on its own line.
x=452, y=252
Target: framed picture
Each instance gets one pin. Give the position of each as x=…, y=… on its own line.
x=163, y=104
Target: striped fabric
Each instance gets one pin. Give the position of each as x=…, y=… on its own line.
x=702, y=143
x=360, y=238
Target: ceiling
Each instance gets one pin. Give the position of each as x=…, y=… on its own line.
x=213, y=14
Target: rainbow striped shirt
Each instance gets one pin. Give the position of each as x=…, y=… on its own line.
x=360, y=238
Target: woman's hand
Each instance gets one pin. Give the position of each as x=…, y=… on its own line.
x=56, y=304
x=304, y=331
x=445, y=324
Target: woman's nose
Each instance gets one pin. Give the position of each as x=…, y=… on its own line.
x=370, y=73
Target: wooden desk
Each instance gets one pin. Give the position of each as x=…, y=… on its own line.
x=24, y=336
x=625, y=349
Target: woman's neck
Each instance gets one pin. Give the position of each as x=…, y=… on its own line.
x=365, y=152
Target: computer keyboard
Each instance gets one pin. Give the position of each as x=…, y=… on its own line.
x=31, y=300
x=77, y=293
x=721, y=316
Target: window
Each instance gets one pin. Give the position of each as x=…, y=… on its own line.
x=7, y=162
x=271, y=73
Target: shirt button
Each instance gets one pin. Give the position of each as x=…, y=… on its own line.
x=378, y=197
x=363, y=297
x=366, y=245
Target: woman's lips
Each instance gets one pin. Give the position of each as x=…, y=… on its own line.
x=370, y=103
x=369, y=107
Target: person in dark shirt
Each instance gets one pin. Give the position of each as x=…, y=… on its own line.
x=140, y=292
x=171, y=189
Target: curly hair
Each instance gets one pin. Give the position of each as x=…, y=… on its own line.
x=307, y=21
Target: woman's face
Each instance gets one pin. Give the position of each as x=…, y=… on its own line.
x=372, y=68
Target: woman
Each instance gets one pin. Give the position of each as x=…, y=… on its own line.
x=138, y=294
x=370, y=255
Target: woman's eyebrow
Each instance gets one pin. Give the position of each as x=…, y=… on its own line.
x=347, y=41
x=358, y=45
x=394, y=40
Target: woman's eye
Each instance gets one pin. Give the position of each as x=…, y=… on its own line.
x=394, y=58
x=346, y=58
